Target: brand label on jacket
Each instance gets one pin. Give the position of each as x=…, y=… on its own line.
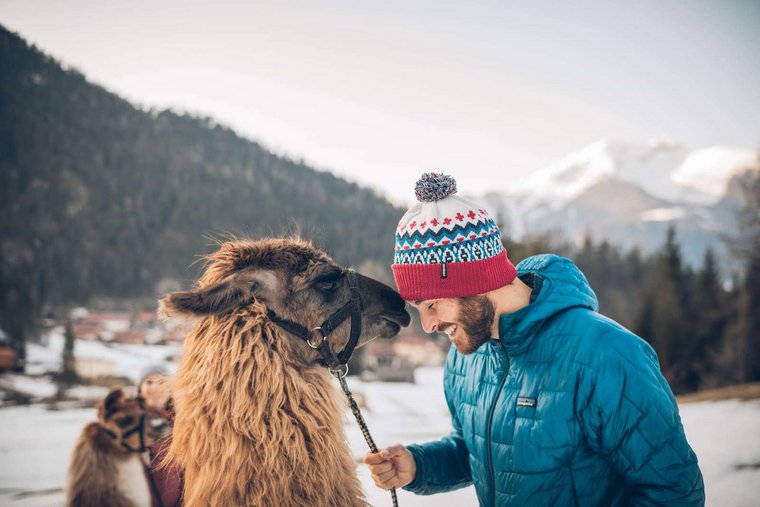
x=526, y=402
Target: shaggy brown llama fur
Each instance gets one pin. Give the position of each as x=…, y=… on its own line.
x=258, y=421
x=99, y=461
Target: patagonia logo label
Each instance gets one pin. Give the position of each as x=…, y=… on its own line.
x=444, y=270
x=526, y=402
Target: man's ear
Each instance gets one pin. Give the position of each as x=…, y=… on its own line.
x=235, y=291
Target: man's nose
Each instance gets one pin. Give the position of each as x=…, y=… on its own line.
x=429, y=322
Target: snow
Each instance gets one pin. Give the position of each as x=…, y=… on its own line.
x=35, y=446
x=568, y=177
x=35, y=388
x=663, y=214
x=662, y=168
x=710, y=169
x=35, y=443
x=726, y=435
x=130, y=360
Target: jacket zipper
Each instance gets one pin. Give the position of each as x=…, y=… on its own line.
x=492, y=478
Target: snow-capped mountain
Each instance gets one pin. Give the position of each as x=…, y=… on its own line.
x=629, y=194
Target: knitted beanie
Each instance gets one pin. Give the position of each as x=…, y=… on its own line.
x=155, y=369
x=447, y=247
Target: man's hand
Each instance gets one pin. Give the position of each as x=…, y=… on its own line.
x=392, y=467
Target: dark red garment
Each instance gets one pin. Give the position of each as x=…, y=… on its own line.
x=166, y=480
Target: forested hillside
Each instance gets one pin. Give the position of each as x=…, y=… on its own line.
x=98, y=197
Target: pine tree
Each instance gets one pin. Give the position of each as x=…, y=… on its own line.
x=739, y=358
x=749, y=301
x=711, y=320
x=751, y=319
x=68, y=375
x=665, y=315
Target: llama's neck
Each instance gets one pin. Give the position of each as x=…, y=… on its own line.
x=132, y=482
x=253, y=428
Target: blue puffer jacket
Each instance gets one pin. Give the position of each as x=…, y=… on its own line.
x=566, y=408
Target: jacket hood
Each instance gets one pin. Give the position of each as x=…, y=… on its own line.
x=563, y=286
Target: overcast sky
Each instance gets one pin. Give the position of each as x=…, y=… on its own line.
x=381, y=91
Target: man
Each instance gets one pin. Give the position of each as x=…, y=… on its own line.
x=551, y=403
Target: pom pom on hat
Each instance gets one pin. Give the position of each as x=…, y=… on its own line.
x=433, y=187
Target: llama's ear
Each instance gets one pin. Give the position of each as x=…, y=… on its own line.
x=234, y=292
x=106, y=406
x=112, y=398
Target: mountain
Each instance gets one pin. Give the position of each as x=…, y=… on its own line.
x=630, y=194
x=100, y=198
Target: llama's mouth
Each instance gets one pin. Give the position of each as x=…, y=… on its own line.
x=390, y=323
x=395, y=326
x=386, y=327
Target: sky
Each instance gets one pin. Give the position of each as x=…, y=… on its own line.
x=379, y=92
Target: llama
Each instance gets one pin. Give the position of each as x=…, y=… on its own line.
x=258, y=420
x=106, y=467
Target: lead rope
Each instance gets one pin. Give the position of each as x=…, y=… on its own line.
x=362, y=424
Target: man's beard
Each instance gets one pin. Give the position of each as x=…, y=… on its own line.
x=476, y=315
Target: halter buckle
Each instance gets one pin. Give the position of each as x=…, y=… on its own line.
x=339, y=371
x=321, y=336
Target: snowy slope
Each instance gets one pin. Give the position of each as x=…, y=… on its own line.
x=709, y=170
x=629, y=194
x=663, y=169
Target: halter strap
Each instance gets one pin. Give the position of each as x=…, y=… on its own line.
x=120, y=438
x=337, y=364
x=352, y=308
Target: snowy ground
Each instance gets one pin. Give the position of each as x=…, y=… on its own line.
x=130, y=360
x=35, y=443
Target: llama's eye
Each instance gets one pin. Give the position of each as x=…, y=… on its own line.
x=327, y=285
x=124, y=422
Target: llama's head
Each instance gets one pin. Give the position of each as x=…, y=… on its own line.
x=295, y=280
x=124, y=419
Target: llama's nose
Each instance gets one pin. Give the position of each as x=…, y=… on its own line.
x=404, y=317
x=392, y=304
x=397, y=304
x=396, y=307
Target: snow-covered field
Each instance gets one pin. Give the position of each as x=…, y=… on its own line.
x=128, y=360
x=35, y=443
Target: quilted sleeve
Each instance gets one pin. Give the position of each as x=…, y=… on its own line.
x=442, y=465
x=629, y=414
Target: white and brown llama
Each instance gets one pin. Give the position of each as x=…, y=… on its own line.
x=106, y=466
x=258, y=421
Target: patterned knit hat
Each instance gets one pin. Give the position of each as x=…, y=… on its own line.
x=447, y=247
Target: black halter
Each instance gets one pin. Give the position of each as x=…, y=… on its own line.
x=121, y=438
x=317, y=337
x=337, y=364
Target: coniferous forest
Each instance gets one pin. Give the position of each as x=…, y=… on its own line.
x=101, y=199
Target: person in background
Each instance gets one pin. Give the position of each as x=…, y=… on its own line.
x=551, y=403
x=166, y=481
x=155, y=390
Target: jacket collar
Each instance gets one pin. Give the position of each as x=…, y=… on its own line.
x=559, y=284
